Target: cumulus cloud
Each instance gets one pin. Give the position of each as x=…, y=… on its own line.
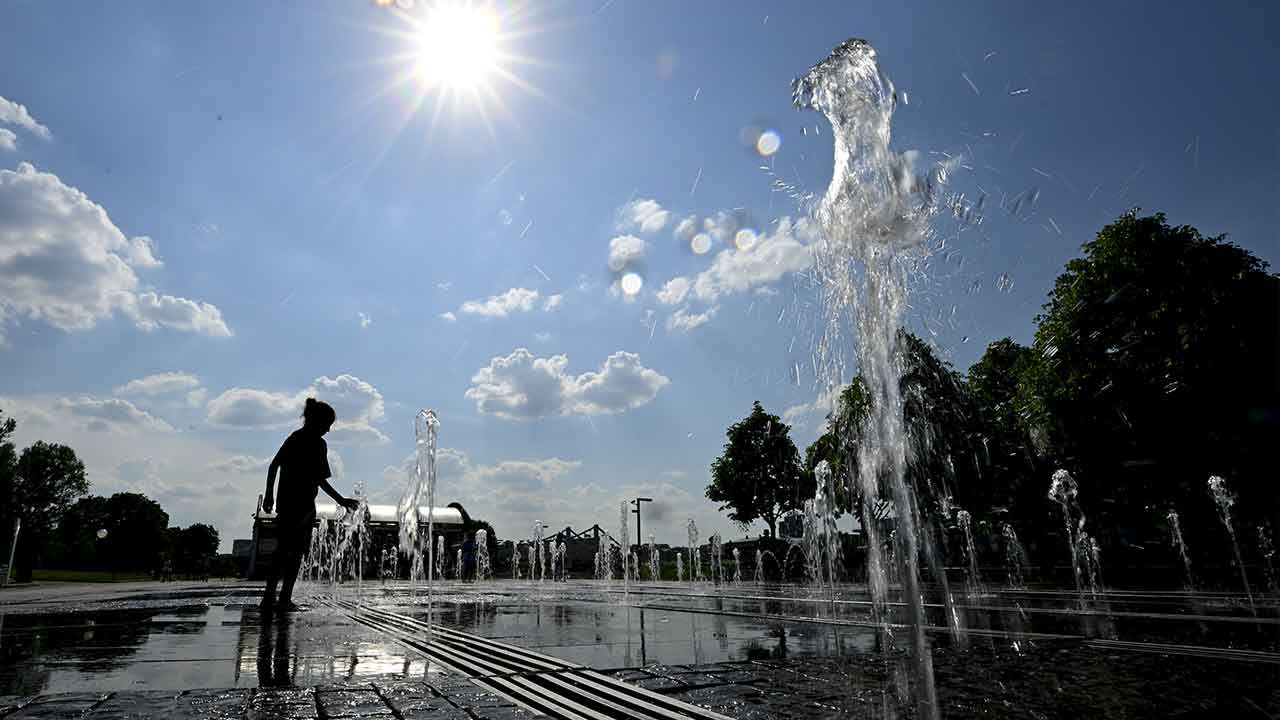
x=674, y=291
x=8, y=140
x=63, y=262
x=683, y=321
x=773, y=255
x=542, y=337
x=552, y=302
x=358, y=404
x=160, y=384
x=625, y=250
x=513, y=300
x=365, y=320
x=448, y=317
x=522, y=386
x=17, y=115
x=645, y=215
x=240, y=465
x=111, y=415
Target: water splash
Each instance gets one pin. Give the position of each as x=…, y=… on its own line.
x=515, y=561
x=874, y=222
x=717, y=559
x=426, y=429
x=1015, y=558
x=538, y=552
x=737, y=567
x=1175, y=537
x=653, y=559
x=1224, y=499
x=1064, y=491
x=1268, y=550
x=679, y=567
x=973, y=576
x=482, y=554
x=695, y=563
x=624, y=535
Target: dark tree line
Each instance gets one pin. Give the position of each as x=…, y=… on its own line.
x=1154, y=365
x=64, y=527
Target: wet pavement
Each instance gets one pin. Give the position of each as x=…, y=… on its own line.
x=203, y=650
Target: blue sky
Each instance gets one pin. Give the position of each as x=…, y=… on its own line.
x=309, y=215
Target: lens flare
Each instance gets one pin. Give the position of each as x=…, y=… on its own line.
x=457, y=46
x=631, y=283
x=768, y=143
x=700, y=244
x=745, y=239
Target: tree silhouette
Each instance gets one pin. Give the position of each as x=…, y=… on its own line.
x=759, y=476
x=46, y=480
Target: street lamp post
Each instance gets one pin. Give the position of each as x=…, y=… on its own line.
x=639, y=540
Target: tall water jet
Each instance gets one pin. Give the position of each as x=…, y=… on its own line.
x=679, y=567
x=653, y=558
x=541, y=551
x=695, y=563
x=965, y=520
x=759, y=574
x=625, y=538
x=1015, y=558
x=1268, y=550
x=1224, y=499
x=737, y=567
x=426, y=428
x=1175, y=536
x=1064, y=491
x=482, y=554
x=533, y=560
x=874, y=221
x=717, y=559
x=439, y=558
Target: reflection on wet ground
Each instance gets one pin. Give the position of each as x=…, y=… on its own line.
x=1019, y=649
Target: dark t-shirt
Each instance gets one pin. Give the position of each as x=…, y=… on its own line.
x=304, y=462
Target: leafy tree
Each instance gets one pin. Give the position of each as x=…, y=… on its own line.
x=196, y=548
x=759, y=475
x=8, y=472
x=134, y=526
x=77, y=541
x=47, y=478
x=1155, y=366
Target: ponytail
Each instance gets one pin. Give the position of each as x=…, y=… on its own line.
x=317, y=412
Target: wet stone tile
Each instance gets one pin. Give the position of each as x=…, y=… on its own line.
x=212, y=704
x=697, y=678
x=437, y=709
x=62, y=705
x=9, y=703
x=658, y=683
x=276, y=704
x=507, y=712
x=131, y=705
x=741, y=676
x=351, y=703
x=631, y=675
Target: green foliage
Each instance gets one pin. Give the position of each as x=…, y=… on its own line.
x=1154, y=366
x=135, y=533
x=759, y=475
x=47, y=478
x=192, y=550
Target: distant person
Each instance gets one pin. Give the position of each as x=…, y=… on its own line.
x=304, y=457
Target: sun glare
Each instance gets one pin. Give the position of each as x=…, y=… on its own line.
x=458, y=46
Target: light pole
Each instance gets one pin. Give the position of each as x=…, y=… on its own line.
x=639, y=541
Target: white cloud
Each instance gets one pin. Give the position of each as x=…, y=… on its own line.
x=110, y=415
x=624, y=250
x=645, y=215
x=522, y=386
x=198, y=397
x=251, y=408
x=675, y=474
x=771, y=257
x=674, y=291
x=16, y=114
x=240, y=465
x=444, y=286
x=500, y=306
x=686, y=229
x=542, y=337
x=8, y=140
x=357, y=403
x=365, y=320
x=63, y=262
x=684, y=321
x=448, y=317
x=552, y=302
x=151, y=311
x=160, y=384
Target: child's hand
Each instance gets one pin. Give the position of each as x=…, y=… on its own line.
x=351, y=504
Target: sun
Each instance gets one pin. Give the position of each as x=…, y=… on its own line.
x=458, y=46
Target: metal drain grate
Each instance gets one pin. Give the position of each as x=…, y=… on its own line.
x=538, y=682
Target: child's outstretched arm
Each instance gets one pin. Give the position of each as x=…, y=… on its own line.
x=348, y=503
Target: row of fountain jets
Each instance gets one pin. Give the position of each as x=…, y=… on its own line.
x=335, y=557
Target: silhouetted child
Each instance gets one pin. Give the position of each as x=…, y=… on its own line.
x=304, y=459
